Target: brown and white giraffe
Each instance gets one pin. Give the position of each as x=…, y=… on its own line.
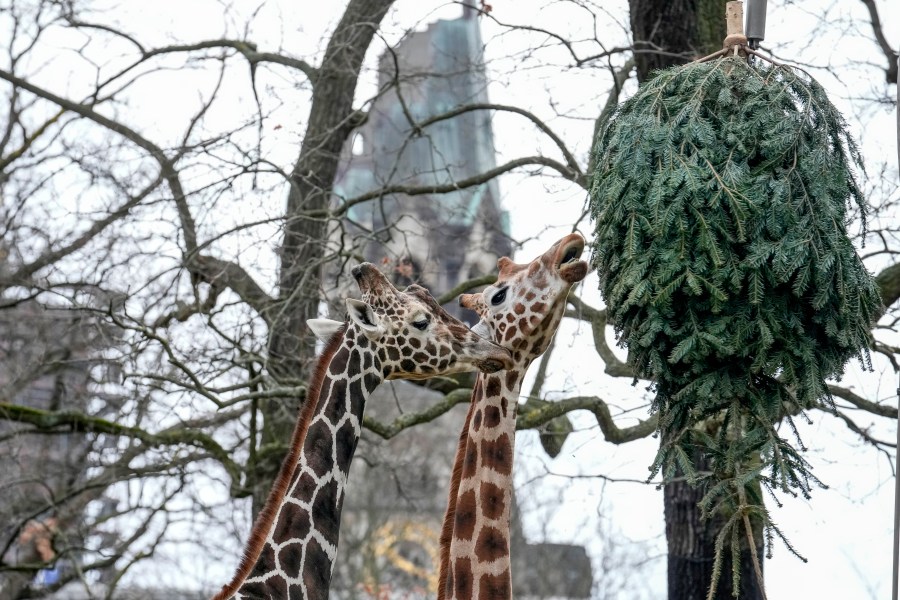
x=389, y=335
x=521, y=312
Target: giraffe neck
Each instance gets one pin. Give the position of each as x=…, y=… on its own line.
x=475, y=538
x=293, y=543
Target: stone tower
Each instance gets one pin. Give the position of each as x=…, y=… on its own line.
x=437, y=240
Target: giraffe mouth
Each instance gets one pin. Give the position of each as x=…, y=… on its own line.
x=571, y=269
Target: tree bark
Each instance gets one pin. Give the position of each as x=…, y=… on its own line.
x=691, y=547
x=331, y=118
x=673, y=32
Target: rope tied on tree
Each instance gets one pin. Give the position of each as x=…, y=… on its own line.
x=721, y=199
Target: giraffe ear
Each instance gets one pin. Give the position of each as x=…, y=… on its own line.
x=503, y=263
x=324, y=329
x=362, y=314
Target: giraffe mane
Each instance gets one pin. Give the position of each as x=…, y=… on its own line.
x=264, y=520
x=455, y=478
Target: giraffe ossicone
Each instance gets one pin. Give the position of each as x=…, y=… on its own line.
x=520, y=312
x=389, y=334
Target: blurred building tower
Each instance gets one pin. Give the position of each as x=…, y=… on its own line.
x=398, y=492
x=436, y=240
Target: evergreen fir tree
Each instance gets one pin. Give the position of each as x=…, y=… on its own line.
x=721, y=200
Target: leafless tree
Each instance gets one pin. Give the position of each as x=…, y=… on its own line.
x=173, y=193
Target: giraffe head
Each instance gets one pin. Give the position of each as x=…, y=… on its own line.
x=523, y=308
x=410, y=333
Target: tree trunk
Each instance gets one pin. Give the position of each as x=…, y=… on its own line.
x=691, y=543
x=673, y=32
x=331, y=119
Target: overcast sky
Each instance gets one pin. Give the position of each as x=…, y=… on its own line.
x=844, y=531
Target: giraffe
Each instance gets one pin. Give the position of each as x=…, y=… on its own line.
x=389, y=335
x=521, y=312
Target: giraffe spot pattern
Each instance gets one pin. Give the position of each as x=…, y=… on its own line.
x=491, y=416
x=326, y=511
x=317, y=448
x=290, y=559
x=491, y=544
x=494, y=587
x=265, y=563
x=492, y=387
x=292, y=525
x=337, y=401
x=255, y=589
x=470, y=463
x=497, y=454
x=466, y=510
x=356, y=397
x=493, y=500
x=461, y=579
x=317, y=574
x=476, y=420
x=371, y=380
x=524, y=325
x=339, y=363
x=345, y=440
x=511, y=377
x=304, y=487
x=393, y=354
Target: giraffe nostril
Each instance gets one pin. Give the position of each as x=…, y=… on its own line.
x=491, y=366
x=356, y=272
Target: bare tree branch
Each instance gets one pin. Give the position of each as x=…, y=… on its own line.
x=168, y=170
x=387, y=431
x=878, y=30
x=611, y=432
x=73, y=421
x=567, y=154
x=454, y=186
x=597, y=320
x=882, y=410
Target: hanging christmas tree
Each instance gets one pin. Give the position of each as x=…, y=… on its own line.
x=721, y=199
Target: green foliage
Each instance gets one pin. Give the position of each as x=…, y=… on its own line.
x=721, y=199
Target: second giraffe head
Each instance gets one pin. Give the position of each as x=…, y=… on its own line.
x=528, y=300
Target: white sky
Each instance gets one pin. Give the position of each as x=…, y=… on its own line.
x=845, y=531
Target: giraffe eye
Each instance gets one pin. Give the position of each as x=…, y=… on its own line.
x=420, y=324
x=499, y=297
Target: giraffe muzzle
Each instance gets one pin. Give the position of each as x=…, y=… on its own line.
x=369, y=278
x=571, y=269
